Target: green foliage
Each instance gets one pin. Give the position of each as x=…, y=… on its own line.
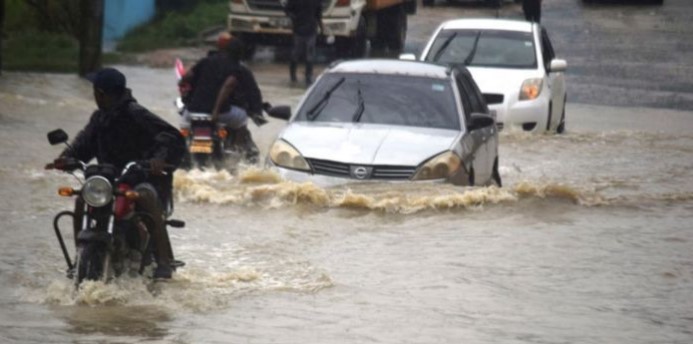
x=173, y=29
x=40, y=51
x=19, y=16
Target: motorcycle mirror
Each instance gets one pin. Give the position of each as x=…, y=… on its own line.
x=57, y=136
x=280, y=112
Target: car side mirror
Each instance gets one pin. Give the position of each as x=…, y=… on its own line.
x=480, y=120
x=408, y=57
x=558, y=65
x=280, y=112
x=57, y=136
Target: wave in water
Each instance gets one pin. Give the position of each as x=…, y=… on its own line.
x=256, y=187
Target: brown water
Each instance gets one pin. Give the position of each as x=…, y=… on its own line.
x=589, y=241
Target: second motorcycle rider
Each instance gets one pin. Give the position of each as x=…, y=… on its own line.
x=220, y=85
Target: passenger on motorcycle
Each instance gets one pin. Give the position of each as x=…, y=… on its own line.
x=122, y=131
x=223, y=87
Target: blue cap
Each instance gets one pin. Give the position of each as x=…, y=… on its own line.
x=108, y=80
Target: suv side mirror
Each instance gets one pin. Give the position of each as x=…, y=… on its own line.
x=408, y=57
x=558, y=65
x=57, y=136
x=480, y=120
x=280, y=112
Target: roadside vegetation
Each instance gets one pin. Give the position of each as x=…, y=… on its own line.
x=32, y=42
x=177, y=28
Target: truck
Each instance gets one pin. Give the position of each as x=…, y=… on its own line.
x=353, y=23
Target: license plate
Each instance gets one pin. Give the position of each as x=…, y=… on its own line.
x=283, y=22
x=201, y=147
x=202, y=131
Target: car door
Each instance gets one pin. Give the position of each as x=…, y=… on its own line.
x=555, y=81
x=489, y=137
x=480, y=136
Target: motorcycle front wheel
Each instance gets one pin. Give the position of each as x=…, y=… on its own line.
x=92, y=262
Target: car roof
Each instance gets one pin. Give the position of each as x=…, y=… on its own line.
x=392, y=67
x=488, y=24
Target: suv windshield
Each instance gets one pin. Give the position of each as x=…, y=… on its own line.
x=484, y=48
x=382, y=99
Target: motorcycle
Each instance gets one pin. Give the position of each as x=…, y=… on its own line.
x=113, y=237
x=216, y=145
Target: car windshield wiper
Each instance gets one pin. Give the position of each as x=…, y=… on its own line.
x=444, y=46
x=314, y=111
x=470, y=57
x=361, y=107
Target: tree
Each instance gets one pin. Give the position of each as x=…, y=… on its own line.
x=82, y=19
x=2, y=26
x=90, y=36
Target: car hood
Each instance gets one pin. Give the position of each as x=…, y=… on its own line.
x=368, y=144
x=501, y=80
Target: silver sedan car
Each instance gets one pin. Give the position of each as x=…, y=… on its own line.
x=390, y=120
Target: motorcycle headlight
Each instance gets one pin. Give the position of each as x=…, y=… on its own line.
x=97, y=191
x=531, y=88
x=284, y=155
x=439, y=167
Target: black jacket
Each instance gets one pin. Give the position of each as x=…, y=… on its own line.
x=305, y=16
x=209, y=75
x=126, y=133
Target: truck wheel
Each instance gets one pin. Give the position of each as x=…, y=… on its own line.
x=353, y=47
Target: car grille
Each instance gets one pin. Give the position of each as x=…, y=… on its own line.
x=275, y=5
x=493, y=98
x=338, y=169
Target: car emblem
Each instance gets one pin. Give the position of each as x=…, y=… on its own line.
x=360, y=172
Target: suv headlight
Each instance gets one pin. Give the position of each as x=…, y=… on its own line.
x=97, y=191
x=285, y=155
x=441, y=166
x=531, y=89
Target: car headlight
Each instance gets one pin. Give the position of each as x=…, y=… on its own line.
x=531, y=88
x=441, y=166
x=284, y=155
x=97, y=191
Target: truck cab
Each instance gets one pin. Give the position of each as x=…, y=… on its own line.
x=352, y=22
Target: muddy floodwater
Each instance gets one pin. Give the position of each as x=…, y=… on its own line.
x=590, y=239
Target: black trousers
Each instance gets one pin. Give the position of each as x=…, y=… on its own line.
x=532, y=10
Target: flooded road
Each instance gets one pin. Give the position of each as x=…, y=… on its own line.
x=588, y=241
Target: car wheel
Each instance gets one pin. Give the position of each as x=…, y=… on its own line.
x=561, y=125
x=496, y=174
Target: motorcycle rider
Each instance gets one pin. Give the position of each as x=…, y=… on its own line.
x=122, y=131
x=223, y=87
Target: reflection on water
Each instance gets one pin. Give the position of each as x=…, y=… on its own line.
x=116, y=321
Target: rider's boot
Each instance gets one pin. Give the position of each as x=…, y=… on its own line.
x=245, y=141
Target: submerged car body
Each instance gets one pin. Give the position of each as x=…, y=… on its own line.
x=375, y=120
x=514, y=64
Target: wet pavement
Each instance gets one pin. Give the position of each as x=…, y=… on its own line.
x=588, y=241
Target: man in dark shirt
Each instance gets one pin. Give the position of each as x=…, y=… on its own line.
x=122, y=131
x=207, y=80
x=306, y=18
x=532, y=10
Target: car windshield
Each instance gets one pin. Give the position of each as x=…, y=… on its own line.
x=485, y=48
x=382, y=99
